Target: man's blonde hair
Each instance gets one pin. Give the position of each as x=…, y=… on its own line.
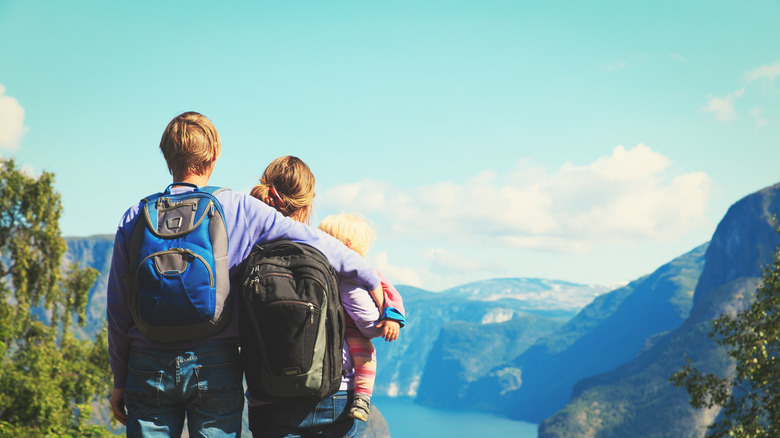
x=190, y=144
x=288, y=186
x=352, y=230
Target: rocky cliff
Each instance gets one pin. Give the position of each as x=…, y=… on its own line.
x=637, y=399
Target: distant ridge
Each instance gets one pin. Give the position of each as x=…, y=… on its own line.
x=515, y=302
x=607, y=333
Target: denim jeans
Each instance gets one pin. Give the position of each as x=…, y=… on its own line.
x=327, y=418
x=205, y=383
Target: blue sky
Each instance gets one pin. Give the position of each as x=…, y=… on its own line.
x=581, y=141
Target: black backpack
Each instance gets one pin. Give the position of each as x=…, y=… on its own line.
x=291, y=323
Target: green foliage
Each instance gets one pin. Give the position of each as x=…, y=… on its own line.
x=750, y=397
x=47, y=377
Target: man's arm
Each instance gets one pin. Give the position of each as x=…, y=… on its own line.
x=118, y=405
x=119, y=319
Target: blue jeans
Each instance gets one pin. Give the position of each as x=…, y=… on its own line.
x=205, y=383
x=327, y=418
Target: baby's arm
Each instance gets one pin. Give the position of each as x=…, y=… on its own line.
x=392, y=312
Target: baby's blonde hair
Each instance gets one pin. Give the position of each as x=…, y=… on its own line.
x=291, y=179
x=190, y=144
x=353, y=230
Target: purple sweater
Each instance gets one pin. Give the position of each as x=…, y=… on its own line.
x=249, y=221
x=359, y=305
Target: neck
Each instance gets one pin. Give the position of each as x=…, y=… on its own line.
x=198, y=180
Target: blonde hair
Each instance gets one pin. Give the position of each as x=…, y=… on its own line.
x=353, y=230
x=190, y=144
x=288, y=186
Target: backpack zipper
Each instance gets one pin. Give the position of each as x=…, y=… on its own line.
x=317, y=280
x=310, y=306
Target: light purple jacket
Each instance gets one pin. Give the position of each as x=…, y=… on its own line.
x=361, y=308
x=249, y=221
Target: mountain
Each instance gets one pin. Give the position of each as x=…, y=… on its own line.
x=637, y=399
x=539, y=296
x=94, y=252
x=465, y=352
x=533, y=304
x=607, y=333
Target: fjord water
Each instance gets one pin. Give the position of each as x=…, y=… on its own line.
x=409, y=420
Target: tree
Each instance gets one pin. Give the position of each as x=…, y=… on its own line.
x=750, y=398
x=47, y=377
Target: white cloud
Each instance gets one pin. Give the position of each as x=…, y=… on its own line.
x=677, y=57
x=768, y=72
x=395, y=274
x=628, y=196
x=30, y=171
x=12, y=127
x=615, y=66
x=445, y=261
x=723, y=107
x=760, y=122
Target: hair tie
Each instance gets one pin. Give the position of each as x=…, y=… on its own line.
x=274, y=200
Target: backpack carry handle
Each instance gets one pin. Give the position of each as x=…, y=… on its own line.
x=272, y=245
x=168, y=189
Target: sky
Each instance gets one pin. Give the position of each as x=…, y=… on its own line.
x=589, y=142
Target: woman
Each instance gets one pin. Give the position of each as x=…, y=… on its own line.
x=288, y=186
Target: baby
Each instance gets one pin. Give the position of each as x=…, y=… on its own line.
x=357, y=234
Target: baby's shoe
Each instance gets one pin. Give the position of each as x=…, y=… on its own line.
x=360, y=407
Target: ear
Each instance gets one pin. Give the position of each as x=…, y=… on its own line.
x=348, y=243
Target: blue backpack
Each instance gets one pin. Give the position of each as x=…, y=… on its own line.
x=178, y=280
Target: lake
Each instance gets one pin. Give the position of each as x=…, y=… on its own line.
x=409, y=420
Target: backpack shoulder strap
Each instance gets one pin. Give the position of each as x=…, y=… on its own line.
x=213, y=190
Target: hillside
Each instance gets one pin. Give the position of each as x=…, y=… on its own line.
x=465, y=352
x=607, y=333
x=637, y=398
x=402, y=363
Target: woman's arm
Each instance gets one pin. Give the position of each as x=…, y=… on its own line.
x=264, y=224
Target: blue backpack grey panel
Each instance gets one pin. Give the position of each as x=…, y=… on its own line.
x=178, y=282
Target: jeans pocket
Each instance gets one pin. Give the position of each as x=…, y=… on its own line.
x=340, y=408
x=219, y=387
x=142, y=391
